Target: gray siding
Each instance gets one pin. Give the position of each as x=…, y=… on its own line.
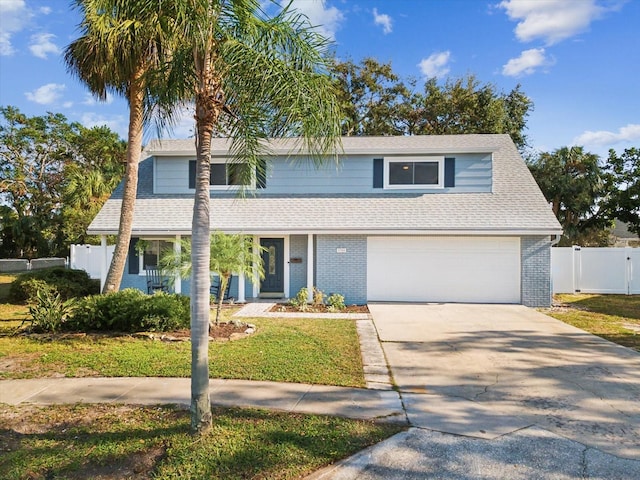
x=343, y=273
x=354, y=174
x=536, y=271
x=297, y=271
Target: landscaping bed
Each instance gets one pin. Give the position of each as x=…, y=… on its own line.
x=286, y=308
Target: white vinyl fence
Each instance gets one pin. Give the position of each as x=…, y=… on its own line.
x=91, y=258
x=595, y=270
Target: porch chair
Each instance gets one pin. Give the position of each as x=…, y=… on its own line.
x=156, y=282
x=215, y=288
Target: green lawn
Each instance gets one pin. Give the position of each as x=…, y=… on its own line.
x=614, y=317
x=121, y=441
x=118, y=441
x=317, y=351
x=288, y=350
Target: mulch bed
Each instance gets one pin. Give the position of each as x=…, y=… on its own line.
x=222, y=332
x=285, y=308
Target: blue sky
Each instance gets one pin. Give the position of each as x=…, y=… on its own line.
x=578, y=60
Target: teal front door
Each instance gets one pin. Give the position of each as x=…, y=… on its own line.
x=273, y=261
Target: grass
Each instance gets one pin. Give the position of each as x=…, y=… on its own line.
x=117, y=441
x=317, y=351
x=613, y=317
x=288, y=350
x=5, y=285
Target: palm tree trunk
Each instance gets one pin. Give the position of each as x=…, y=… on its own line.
x=134, y=147
x=206, y=118
x=224, y=281
x=200, y=283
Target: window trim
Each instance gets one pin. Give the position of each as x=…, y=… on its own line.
x=439, y=159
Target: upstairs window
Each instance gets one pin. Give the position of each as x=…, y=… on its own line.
x=225, y=175
x=232, y=174
x=414, y=172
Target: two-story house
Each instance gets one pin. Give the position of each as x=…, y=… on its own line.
x=451, y=218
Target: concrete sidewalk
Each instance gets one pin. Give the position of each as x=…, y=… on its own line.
x=289, y=397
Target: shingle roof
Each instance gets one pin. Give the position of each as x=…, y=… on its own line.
x=515, y=206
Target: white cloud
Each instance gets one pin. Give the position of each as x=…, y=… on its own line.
x=185, y=126
x=436, y=65
x=41, y=45
x=91, y=100
x=15, y=16
x=67, y=104
x=45, y=10
x=526, y=63
x=554, y=20
x=628, y=133
x=327, y=20
x=117, y=123
x=383, y=20
x=46, y=94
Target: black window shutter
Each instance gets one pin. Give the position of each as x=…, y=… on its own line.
x=449, y=172
x=134, y=265
x=261, y=174
x=378, y=173
x=192, y=174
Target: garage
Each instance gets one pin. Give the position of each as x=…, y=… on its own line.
x=443, y=269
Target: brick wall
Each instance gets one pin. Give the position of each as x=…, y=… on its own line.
x=341, y=266
x=536, y=271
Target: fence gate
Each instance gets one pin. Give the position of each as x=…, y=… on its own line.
x=596, y=270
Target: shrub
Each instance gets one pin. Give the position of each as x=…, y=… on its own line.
x=131, y=310
x=48, y=311
x=68, y=283
x=33, y=286
x=299, y=302
x=318, y=296
x=336, y=302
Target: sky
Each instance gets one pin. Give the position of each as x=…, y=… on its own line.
x=578, y=60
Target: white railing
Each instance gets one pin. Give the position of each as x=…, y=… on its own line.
x=595, y=270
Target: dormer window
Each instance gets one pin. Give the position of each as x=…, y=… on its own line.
x=414, y=172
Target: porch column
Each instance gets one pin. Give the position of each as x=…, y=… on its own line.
x=177, y=249
x=103, y=261
x=256, y=285
x=241, y=298
x=310, y=268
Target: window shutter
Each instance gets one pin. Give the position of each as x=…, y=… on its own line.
x=378, y=173
x=192, y=174
x=134, y=265
x=449, y=172
x=261, y=174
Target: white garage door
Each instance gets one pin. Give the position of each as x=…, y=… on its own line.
x=444, y=269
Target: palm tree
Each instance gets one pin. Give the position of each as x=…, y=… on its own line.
x=250, y=77
x=228, y=254
x=121, y=43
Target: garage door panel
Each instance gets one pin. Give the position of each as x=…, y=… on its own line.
x=444, y=269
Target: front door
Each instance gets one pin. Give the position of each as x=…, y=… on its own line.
x=273, y=261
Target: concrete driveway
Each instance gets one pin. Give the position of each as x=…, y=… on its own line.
x=489, y=370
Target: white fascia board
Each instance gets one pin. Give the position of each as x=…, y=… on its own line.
x=279, y=231
x=342, y=152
